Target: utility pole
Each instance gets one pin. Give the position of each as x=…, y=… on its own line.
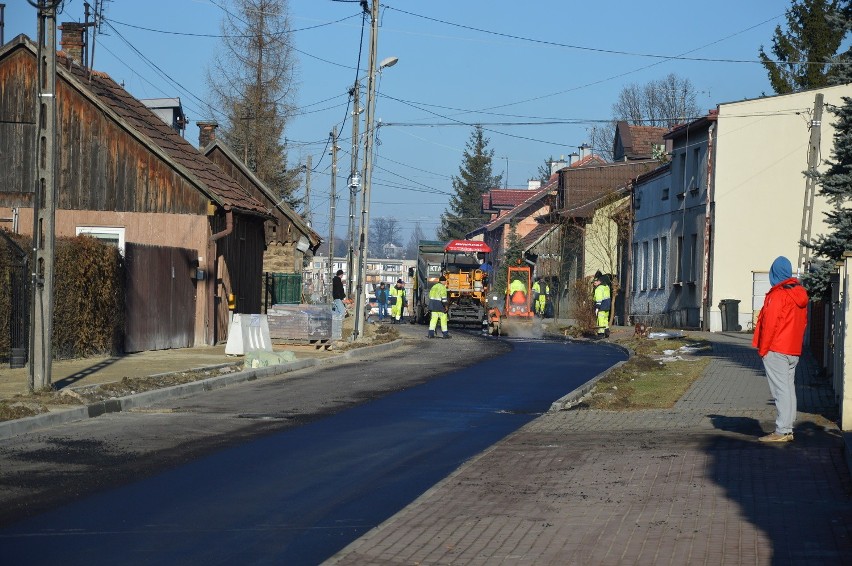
x=332, y=209
x=369, y=135
x=44, y=202
x=2, y=23
x=810, y=184
x=308, y=191
x=354, y=183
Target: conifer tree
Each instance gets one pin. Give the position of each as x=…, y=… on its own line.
x=835, y=184
x=475, y=179
x=804, y=52
x=512, y=255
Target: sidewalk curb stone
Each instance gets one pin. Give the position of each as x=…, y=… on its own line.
x=17, y=427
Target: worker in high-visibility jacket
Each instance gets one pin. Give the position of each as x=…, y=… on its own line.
x=439, y=306
x=397, y=299
x=603, y=304
x=540, y=292
x=517, y=291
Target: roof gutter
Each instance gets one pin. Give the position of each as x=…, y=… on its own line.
x=229, y=225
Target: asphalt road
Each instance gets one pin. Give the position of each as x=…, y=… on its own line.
x=285, y=470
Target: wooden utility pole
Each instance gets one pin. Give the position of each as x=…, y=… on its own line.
x=810, y=184
x=44, y=202
x=332, y=210
x=354, y=184
x=308, y=191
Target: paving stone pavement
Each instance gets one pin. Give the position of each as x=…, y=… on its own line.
x=688, y=485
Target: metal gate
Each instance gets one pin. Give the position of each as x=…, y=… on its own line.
x=15, y=273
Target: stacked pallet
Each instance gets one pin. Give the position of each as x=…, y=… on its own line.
x=303, y=323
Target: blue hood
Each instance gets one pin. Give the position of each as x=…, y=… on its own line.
x=781, y=269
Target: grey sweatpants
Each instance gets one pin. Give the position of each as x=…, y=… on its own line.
x=781, y=373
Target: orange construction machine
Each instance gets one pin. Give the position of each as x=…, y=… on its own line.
x=467, y=284
x=517, y=305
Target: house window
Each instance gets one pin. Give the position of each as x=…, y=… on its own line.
x=655, y=264
x=635, y=267
x=665, y=194
x=679, y=260
x=664, y=258
x=646, y=266
x=693, y=258
x=696, y=169
x=682, y=171
x=109, y=235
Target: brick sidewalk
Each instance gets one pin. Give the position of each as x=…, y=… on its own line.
x=680, y=486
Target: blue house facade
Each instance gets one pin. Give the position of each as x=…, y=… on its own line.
x=669, y=237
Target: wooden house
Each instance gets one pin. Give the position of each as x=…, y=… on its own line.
x=191, y=235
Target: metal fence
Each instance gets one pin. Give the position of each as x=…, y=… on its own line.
x=282, y=289
x=15, y=270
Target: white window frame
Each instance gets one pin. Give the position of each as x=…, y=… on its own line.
x=95, y=231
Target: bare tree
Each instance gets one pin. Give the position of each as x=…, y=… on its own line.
x=384, y=230
x=601, y=137
x=253, y=83
x=663, y=103
x=413, y=247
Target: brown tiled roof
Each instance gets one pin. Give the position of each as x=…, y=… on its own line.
x=506, y=198
x=272, y=202
x=532, y=199
x=535, y=235
x=201, y=171
x=588, y=161
x=638, y=141
x=587, y=185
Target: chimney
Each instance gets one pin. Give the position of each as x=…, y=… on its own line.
x=534, y=184
x=573, y=158
x=585, y=150
x=557, y=165
x=72, y=40
x=206, y=133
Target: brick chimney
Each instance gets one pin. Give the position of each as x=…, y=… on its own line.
x=206, y=133
x=73, y=40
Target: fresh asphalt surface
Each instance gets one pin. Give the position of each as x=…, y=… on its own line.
x=300, y=495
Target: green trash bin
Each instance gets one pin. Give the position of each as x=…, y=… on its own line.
x=730, y=315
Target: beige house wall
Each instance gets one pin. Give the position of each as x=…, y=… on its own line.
x=761, y=150
x=155, y=229
x=601, y=241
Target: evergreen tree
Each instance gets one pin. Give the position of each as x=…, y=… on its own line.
x=544, y=171
x=836, y=185
x=512, y=255
x=475, y=179
x=803, y=53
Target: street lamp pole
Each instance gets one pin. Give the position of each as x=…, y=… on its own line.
x=369, y=137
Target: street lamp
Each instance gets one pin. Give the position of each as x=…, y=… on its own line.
x=369, y=137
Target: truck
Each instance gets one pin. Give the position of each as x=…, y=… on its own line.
x=430, y=258
x=467, y=284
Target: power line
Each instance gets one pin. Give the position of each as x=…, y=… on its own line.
x=226, y=36
x=680, y=57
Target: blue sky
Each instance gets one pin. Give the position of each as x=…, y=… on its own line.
x=460, y=62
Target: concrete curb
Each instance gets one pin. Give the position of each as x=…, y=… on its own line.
x=567, y=401
x=17, y=427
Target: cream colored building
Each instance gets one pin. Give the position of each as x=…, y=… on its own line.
x=760, y=151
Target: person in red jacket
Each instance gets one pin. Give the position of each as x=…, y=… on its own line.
x=778, y=337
